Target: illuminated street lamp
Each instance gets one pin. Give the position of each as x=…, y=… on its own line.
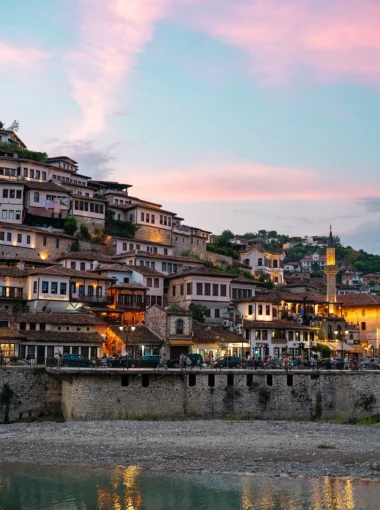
x=127, y=330
x=340, y=337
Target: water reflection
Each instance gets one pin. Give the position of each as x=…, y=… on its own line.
x=29, y=487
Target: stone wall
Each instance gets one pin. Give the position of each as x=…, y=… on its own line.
x=155, y=320
x=299, y=396
x=153, y=234
x=36, y=392
x=193, y=244
x=50, y=251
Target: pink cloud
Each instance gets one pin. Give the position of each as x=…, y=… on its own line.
x=16, y=56
x=336, y=39
x=224, y=180
x=114, y=33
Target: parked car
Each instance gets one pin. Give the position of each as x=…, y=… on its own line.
x=149, y=361
x=124, y=361
x=76, y=360
x=193, y=360
x=367, y=364
x=328, y=364
x=228, y=362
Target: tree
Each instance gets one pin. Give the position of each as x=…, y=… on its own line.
x=70, y=225
x=262, y=233
x=6, y=396
x=84, y=234
x=272, y=233
x=75, y=245
x=198, y=312
x=226, y=236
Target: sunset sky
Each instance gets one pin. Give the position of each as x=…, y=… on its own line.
x=239, y=114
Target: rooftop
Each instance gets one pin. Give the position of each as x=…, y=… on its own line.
x=64, y=319
x=141, y=335
x=158, y=256
x=85, y=255
x=201, y=271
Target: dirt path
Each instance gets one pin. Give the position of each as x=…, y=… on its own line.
x=278, y=448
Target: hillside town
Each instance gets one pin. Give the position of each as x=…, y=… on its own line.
x=87, y=268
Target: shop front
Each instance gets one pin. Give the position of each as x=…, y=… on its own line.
x=179, y=346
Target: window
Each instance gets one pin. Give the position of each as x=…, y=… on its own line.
x=215, y=289
x=2, y=235
x=63, y=289
x=182, y=290
x=217, y=313
x=4, y=214
x=260, y=262
x=223, y=290
x=260, y=310
x=164, y=266
x=22, y=326
x=26, y=172
x=54, y=287
x=44, y=176
x=189, y=289
x=18, y=215
x=250, y=309
x=161, y=219
x=9, y=236
x=364, y=326
x=156, y=283
x=275, y=263
x=31, y=174
x=179, y=327
x=199, y=289
x=81, y=290
x=149, y=282
x=38, y=174
x=165, y=251
x=142, y=216
x=11, y=215
x=147, y=217
x=57, y=243
x=264, y=334
x=36, y=197
x=72, y=265
x=152, y=218
x=207, y=289
x=83, y=266
x=27, y=239
x=267, y=310
x=19, y=238
x=99, y=291
x=290, y=336
x=90, y=290
x=44, y=241
x=45, y=287
x=173, y=290
x=32, y=326
x=5, y=193
x=34, y=287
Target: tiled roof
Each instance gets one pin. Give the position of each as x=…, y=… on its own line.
x=248, y=281
x=10, y=334
x=85, y=255
x=5, y=315
x=112, y=267
x=137, y=286
x=201, y=271
x=138, y=241
x=13, y=271
x=65, y=271
x=278, y=296
x=359, y=300
x=65, y=319
x=142, y=335
x=15, y=259
x=147, y=254
x=207, y=332
x=146, y=271
x=60, y=337
x=276, y=324
x=44, y=186
x=37, y=230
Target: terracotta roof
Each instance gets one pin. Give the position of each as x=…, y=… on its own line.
x=359, y=300
x=142, y=335
x=146, y=271
x=44, y=186
x=10, y=333
x=65, y=271
x=278, y=296
x=201, y=271
x=37, y=230
x=85, y=255
x=128, y=268
x=147, y=254
x=16, y=259
x=276, y=324
x=248, y=281
x=58, y=318
x=139, y=241
x=13, y=271
x=5, y=315
x=61, y=337
x=61, y=158
x=209, y=332
x=112, y=267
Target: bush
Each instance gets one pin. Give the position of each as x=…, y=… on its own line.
x=84, y=234
x=70, y=226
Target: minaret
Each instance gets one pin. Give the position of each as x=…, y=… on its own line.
x=331, y=270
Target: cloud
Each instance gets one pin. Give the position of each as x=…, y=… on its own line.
x=94, y=161
x=371, y=204
x=17, y=56
x=335, y=39
x=224, y=180
x=113, y=34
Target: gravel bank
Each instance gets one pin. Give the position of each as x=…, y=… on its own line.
x=276, y=448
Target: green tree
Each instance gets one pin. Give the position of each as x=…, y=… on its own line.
x=226, y=236
x=84, y=234
x=272, y=233
x=262, y=233
x=75, y=245
x=199, y=312
x=70, y=226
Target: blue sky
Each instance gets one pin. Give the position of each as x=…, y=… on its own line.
x=241, y=114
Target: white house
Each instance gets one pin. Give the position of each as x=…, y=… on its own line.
x=265, y=262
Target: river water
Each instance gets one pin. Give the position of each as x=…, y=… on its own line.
x=39, y=487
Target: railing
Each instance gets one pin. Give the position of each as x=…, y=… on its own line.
x=90, y=298
x=131, y=308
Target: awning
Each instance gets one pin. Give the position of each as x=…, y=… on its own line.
x=201, y=345
x=181, y=342
x=346, y=347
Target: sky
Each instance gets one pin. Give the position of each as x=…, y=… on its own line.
x=235, y=114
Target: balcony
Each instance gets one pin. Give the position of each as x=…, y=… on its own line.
x=129, y=307
x=14, y=296
x=90, y=298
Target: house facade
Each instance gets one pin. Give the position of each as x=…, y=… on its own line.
x=264, y=262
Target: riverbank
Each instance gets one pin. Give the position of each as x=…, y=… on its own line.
x=216, y=446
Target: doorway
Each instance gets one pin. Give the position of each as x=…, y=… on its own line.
x=40, y=354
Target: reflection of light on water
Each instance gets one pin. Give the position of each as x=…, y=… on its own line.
x=122, y=481
x=349, y=498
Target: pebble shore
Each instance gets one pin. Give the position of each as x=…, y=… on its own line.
x=217, y=446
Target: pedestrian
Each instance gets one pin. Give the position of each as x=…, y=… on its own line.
x=163, y=362
x=286, y=362
x=2, y=362
x=346, y=363
x=58, y=358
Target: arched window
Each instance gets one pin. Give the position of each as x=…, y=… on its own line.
x=179, y=327
x=246, y=262
x=260, y=262
x=275, y=263
x=36, y=197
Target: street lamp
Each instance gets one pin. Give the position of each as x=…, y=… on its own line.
x=127, y=329
x=340, y=337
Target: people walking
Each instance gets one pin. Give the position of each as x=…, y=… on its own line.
x=59, y=359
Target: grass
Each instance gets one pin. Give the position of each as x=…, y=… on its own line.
x=326, y=446
x=368, y=420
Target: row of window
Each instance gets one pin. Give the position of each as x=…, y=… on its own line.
x=12, y=193
x=79, y=193
x=241, y=293
x=8, y=172
x=150, y=249
x=29, y=351
x=10, y=214
x=11, y=292
x=34, y=174
x=41, y=326
x=148, y=218
x=130, y=300
x=62, y=287
x=153, y=282
x=8, y=236
x=63, y=178
x=153, y=300
x=292, y=335
x=80, y=205
x=202, y=289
